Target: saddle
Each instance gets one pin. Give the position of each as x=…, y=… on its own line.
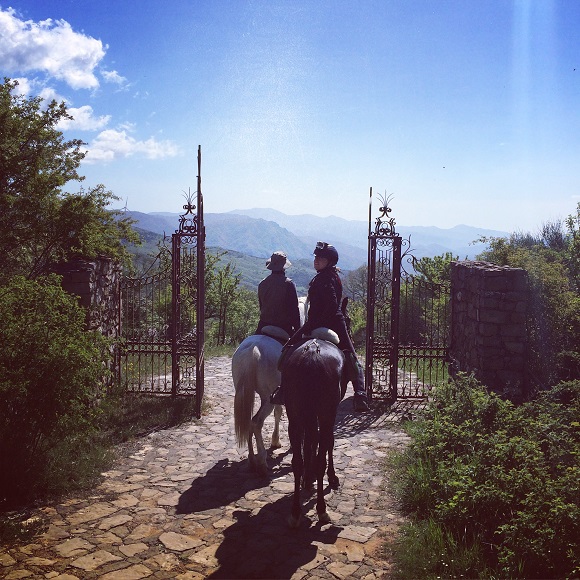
x=324, y=334
x=276, y=333
x=319, y=333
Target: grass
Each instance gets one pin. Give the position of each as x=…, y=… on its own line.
x=424, y=550
x=219, y=350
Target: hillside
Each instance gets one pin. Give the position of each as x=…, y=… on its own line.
x=425, y=240
x=250, y=236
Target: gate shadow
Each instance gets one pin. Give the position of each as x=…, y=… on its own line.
x=348, y=423
x=264, y=546
x=226, y=482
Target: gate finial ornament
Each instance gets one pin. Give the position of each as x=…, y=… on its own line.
x=188, y=220
x=385, y=225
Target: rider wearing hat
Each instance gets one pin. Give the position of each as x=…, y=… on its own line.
x=278, y=297
x=324, y=298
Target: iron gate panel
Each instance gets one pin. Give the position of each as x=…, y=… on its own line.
x=145, y=318
x=408, y=319
x=161, y=315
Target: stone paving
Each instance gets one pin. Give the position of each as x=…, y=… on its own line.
x=185, y=505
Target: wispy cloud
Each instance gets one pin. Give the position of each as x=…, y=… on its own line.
x=113, y=144
x=112, y=76
x=49, y=46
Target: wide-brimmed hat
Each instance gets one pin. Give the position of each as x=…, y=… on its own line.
x=278, y=261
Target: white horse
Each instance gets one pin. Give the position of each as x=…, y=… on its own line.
x=255, y=370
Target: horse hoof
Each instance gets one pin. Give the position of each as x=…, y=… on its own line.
x=293, y=522
x=333, y=482
x=324, y=518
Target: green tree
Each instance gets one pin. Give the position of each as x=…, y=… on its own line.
x=40, y=223
x=355, y=287
x=573, y=247
x=243, y=316
x=436, y=270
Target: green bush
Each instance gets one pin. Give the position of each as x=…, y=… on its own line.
x=50, y=372
x=502, y=478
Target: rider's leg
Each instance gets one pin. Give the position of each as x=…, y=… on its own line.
x=354, y=370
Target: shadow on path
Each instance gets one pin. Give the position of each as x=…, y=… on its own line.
x=227, y=482
x=264, y=546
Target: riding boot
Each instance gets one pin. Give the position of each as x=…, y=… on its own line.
x=357, y=378
x=277, y=397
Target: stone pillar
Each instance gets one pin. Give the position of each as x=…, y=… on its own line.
x=96, y=283
x=489, y=338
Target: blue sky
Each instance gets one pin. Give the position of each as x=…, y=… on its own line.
x=466, y=111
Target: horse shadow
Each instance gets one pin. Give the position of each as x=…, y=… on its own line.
x=264, y=546
x=226, y=482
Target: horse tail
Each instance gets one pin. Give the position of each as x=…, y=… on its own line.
x=244, y=398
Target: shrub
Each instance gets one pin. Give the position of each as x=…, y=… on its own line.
x=50, y=370
x=502, y=478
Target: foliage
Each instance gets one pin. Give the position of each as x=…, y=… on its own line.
x=355, y=288
x=436, y=270
x=50, y=368
x=550, y=259
x=40, y=224
x=243, y=316
x=573, y=247
x=502, y=481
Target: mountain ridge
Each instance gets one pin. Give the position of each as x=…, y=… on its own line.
x=256, y=233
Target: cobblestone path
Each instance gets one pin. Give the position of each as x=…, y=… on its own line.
x=185, y=505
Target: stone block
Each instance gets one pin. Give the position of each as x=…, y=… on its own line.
x=513, y=330
x=493, y=316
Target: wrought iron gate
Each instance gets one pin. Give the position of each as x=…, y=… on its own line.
x=408, y=319
x=162, y=315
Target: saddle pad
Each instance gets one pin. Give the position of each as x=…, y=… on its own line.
x=325, y=334
x=275, y=332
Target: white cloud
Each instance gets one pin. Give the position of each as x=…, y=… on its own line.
x=113, y=144
x=49, y=94
x=24, y=86
x=113, y=77
x=83, y=120
x=49, y=46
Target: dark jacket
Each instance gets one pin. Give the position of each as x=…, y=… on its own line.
x=324, y=297
x=278, y=303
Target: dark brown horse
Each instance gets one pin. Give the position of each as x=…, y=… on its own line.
x=311, y=380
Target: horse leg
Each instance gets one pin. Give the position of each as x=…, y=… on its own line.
x=332, y=477
x=276, y=433
x=325, y=444
x=310, y=458
x=295, y=435
x=257, y=425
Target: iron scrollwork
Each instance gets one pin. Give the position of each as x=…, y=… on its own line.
x=188, y=222
x=385, y=224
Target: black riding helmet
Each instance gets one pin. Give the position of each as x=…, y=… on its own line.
x=324, y=250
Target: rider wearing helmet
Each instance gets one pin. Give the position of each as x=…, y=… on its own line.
x=324, y=298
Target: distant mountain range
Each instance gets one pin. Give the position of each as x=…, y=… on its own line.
x=258, y=232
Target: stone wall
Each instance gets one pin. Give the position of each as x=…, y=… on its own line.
x=96, y=283
x=489, y=325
